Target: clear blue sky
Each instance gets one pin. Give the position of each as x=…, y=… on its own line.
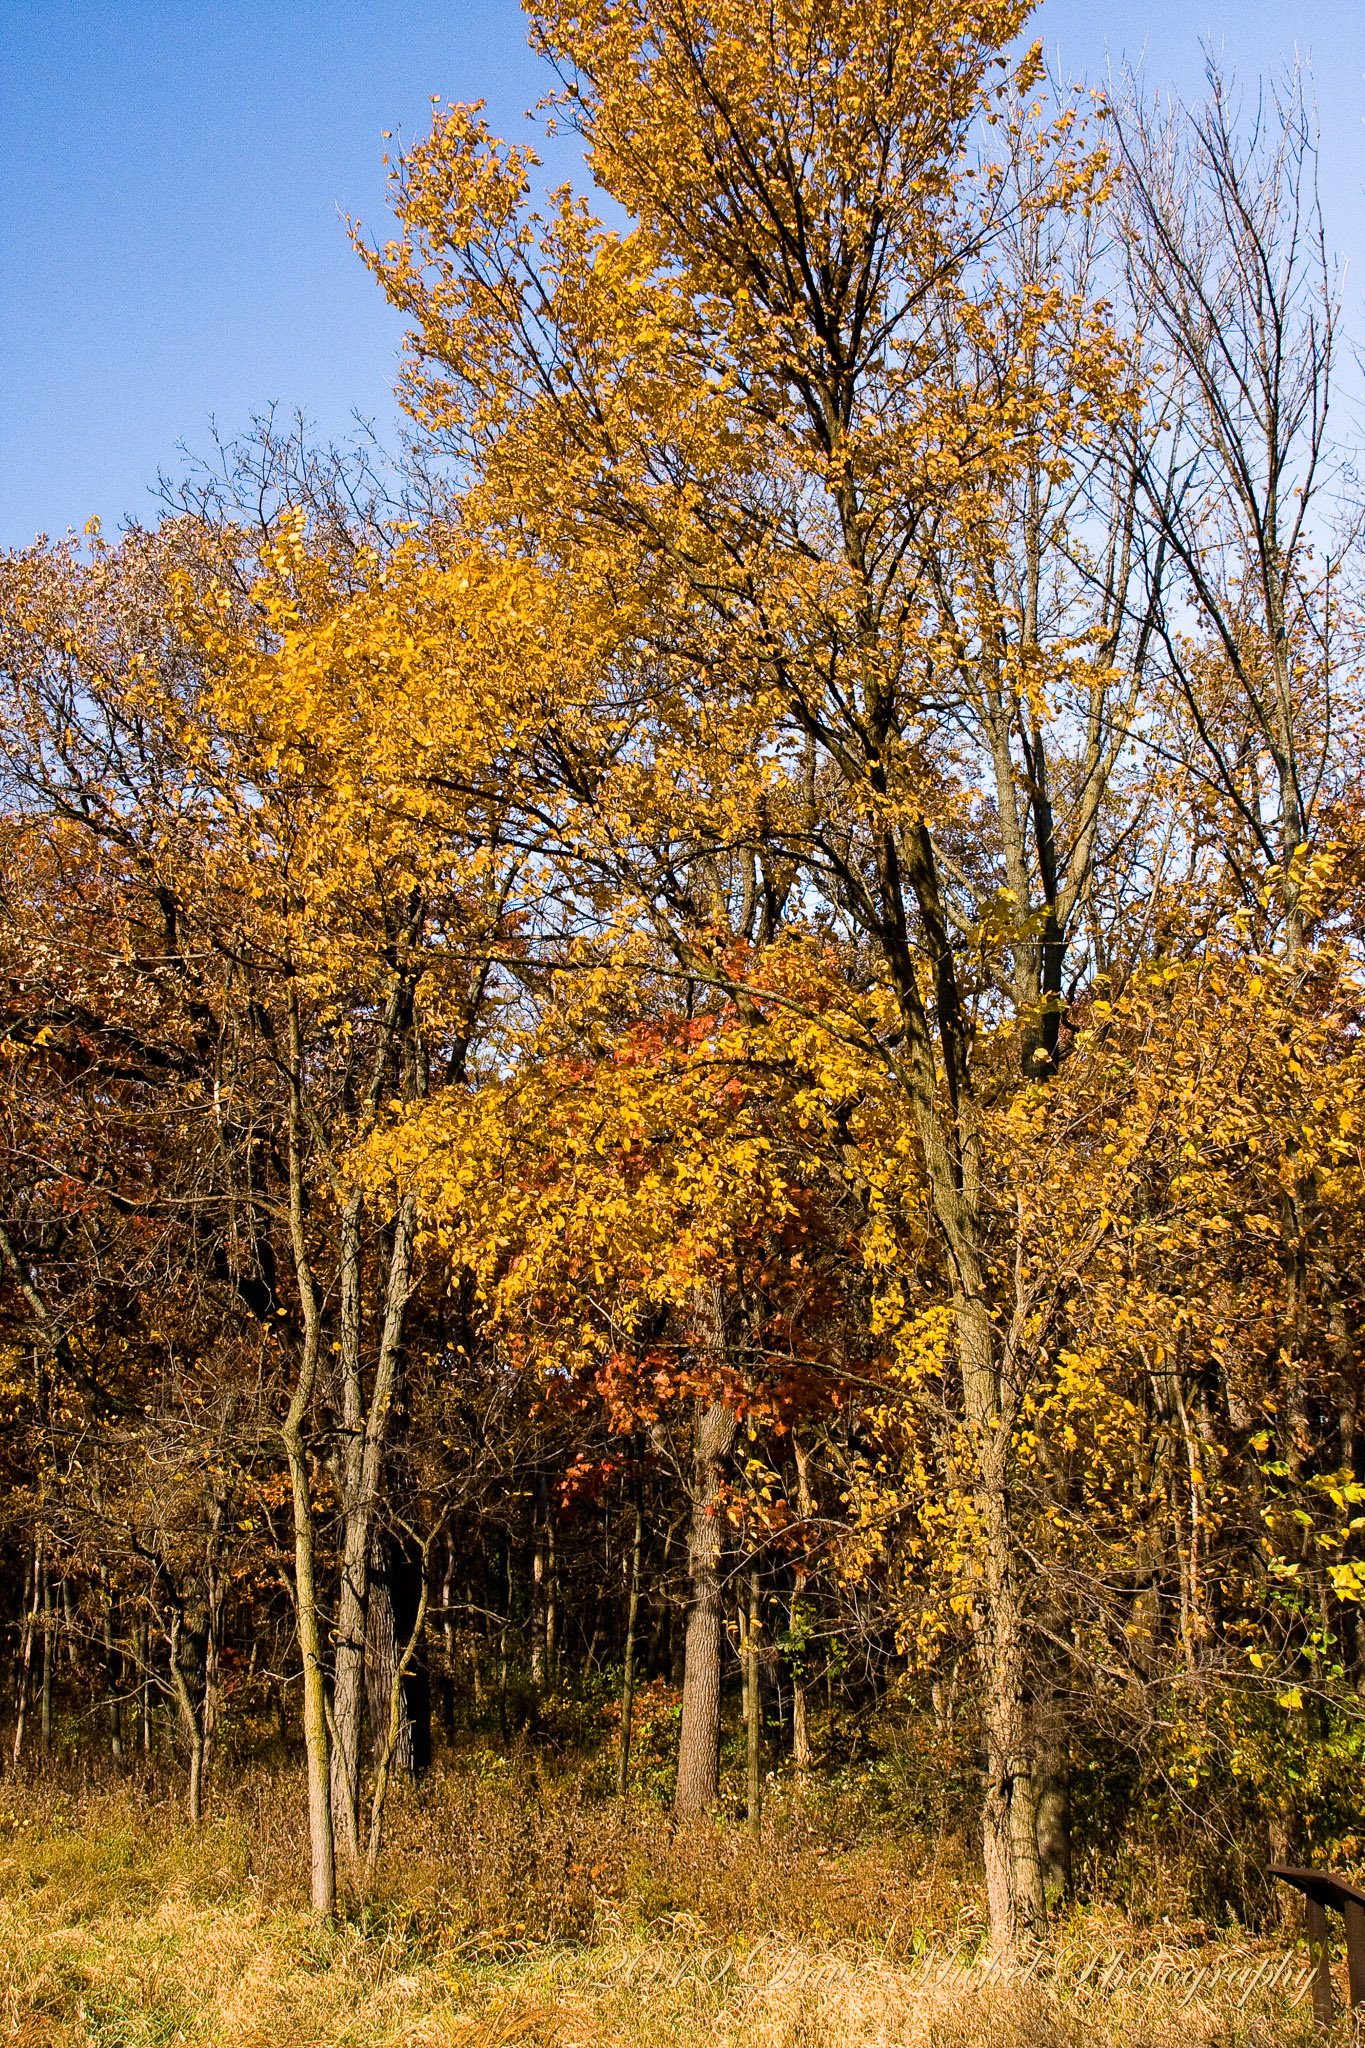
x=173, y=176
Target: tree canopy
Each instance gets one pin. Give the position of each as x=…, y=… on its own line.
x=760, y=975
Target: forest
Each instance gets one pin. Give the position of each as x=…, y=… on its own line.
x=682, y=1112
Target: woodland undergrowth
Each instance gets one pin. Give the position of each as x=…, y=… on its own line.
x=511, y=1904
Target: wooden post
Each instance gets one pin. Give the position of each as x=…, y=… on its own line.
x=1315, y=1927
x=1354, y=1915
x=1321, y=1889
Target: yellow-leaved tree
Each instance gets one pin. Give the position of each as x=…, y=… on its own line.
x=830, y=452
x=234, y=730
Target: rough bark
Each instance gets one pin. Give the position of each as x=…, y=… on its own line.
x=26, y=1657
x=367, y=1438
x=112, y=1677
x=388, y=1749
x=1014, y=1881
x=632, y=1614
x=1052, y=1780
x=950, y=1140
x=801, y=1575
x=539, y=1590
x=713, y=1434
x=382, y=1657
x=448, y=1640
x=321, y=1850
x=45, y=1714
x=366, y=1427
x=397, y=1596
x=190, y=1718
x=144, y=1690
x=551, y=1599
x=348, y=1654
x=754, y=1729
x=677, y=1641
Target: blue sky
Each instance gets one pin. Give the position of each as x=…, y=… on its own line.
x=175, y=175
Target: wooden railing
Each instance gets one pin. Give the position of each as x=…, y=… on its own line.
x=1321, y=1891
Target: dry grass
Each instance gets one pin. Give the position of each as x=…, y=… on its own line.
x=507, y=1916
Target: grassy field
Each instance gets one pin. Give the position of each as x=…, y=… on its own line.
x=501, y=1915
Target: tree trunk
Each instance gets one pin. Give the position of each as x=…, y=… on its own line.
x=315, y=1737
x=628, y=1669
x=348, y=1654
x=1053, y=1782
x=800, y=1576
x=367, y=1438
x=209, y=1712
x=1014, y=1881
x=113, y=1706
x=800, y=1730
x=503, y=1648
x=26, y=1657
x=45, y=1721
x=754, y=1730
x=713, y=1434
x=386, y=1750
x=551, y=1599
x=538, y=1582
x=144, y=1690
x=448, y=1641
x=950, y=1139
x=382, y=1657
x=191, y=1720
x=397, y=1596
x=742, y=1652
x=477, y=1636
x=677, y=1641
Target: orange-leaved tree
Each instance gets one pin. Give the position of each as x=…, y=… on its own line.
x=664, y=1212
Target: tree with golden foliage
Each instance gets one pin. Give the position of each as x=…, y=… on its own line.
x=813, y=443
x=821, y=890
